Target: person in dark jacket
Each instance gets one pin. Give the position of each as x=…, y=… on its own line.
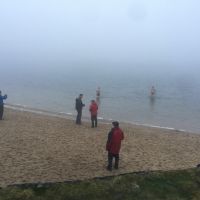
x=2, y=105
x=93, y=111
x=79, y=106
x=115, y=136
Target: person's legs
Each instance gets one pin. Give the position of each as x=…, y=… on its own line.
x=95, y=120
x=80, y=115
x=78, y=118
x=92, y=121
x=116, y=161
x=1, y=112
x=110, y=159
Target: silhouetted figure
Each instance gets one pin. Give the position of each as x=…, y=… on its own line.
x=115, y=136
x=2, y=105
x=93, y=111
x=79, y=106
x=153, y=91
x=98, y=93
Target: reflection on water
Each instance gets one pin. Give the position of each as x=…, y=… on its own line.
x=152, y=100
x=98, y=100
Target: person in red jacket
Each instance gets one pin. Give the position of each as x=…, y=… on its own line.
x=115, y=136
x=93, y=110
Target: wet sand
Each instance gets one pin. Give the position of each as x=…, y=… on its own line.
x=37, y=148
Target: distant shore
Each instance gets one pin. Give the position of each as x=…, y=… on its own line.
x=37, y=147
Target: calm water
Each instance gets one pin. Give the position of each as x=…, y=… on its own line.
x=124, y=94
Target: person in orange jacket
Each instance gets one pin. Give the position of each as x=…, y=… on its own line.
x=93, y=111
x=113, y=145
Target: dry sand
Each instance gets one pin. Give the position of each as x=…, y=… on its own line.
x=37, y=148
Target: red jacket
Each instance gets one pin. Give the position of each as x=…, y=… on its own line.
x=115, y=137
x=93, y=109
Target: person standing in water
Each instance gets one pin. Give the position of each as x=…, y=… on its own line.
x=153, y=91
x=79, y=106
x=93, y=111
x=2, y=105
x=98, y=93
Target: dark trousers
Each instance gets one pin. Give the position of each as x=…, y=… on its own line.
x=1, y=112
x=110, y=160
x=94, y=121
x=78, y=117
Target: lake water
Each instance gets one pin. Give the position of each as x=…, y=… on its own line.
x=124, y=93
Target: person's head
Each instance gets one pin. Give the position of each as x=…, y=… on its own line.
x=92, y=101
x=115, y=124
x=80, y=96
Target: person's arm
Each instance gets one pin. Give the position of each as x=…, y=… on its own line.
x=109, y=140
x=122, y=135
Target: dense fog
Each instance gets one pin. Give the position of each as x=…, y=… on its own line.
x=129, y=34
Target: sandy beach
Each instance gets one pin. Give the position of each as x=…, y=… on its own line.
x=38, y=148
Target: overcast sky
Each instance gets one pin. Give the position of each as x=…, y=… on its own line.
x=144, y=32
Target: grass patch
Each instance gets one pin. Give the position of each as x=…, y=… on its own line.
x=172, y=185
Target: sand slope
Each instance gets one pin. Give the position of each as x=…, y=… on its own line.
x=38, y=148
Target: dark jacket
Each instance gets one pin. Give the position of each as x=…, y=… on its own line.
x=2, y=98
x=79, y=105
x=115, y=136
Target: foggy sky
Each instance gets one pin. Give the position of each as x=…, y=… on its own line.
x=134, y=32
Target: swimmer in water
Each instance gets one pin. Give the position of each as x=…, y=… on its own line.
x=98, y=95
x=98, y=92
x=153, y=91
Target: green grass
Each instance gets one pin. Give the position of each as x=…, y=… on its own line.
x=172, y=185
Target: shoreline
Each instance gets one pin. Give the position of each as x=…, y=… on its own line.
x=71, y=116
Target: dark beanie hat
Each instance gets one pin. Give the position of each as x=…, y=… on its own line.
x=115, y=123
